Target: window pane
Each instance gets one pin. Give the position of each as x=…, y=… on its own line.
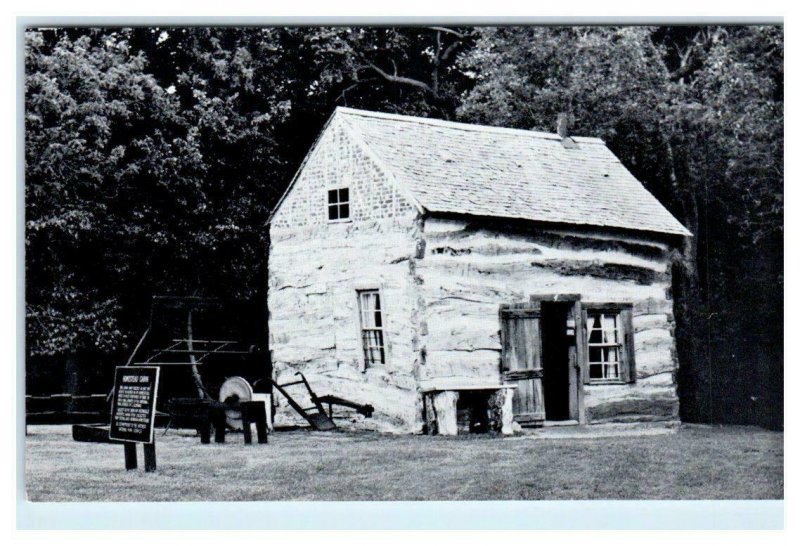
x=332, y=197
x=367, y=310
x=605, y=350
x=379, y=335
x=333, y=213
x=344, y=195
x=371, y=324
x=344, y=211
x=609, y=329
x=595, y=332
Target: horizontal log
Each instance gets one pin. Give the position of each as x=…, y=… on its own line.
x=650, y=408
x=639, y=275
x=643, y=323
x=519, y=375
x=659, y=378
x=653, y=306
x=482, y=250
x=438, y=233
x=518, y=283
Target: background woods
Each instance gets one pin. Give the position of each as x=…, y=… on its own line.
x=153, y=157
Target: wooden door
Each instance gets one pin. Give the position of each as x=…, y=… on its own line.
x=522, y=359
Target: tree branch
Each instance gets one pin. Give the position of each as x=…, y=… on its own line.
x=343, y=95
x=447, y=30
x=394, y=78
x=449, y=50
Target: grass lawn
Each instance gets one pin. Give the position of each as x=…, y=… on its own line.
x=693, y=463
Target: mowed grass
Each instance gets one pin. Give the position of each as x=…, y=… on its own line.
x=693, y=463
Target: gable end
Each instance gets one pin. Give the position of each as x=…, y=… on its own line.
x=340, y=159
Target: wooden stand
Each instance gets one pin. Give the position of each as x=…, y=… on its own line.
x=131, y=462
x=219, y=421
x=211, y=414
x=254, y=413
x=150, y=457
x=130, y=456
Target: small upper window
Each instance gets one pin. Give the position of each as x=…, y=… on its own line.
x=339, y=204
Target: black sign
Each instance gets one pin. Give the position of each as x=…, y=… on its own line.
x=134, y=408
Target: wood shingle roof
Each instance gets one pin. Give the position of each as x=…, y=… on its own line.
x=478, y=170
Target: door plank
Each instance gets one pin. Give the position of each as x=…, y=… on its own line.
x=522, y=359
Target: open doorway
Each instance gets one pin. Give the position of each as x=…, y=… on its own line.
x=559, y=379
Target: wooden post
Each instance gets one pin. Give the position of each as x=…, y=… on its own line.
x=261, y=430
x=246, y=423
x=218, y=420
x=130, y=456
x=204, y=417
x=254, y=412
x=150, y=457
x=205, y=427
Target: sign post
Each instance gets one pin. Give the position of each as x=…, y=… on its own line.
x=133, y=412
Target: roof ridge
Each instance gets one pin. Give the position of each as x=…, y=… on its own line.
x=459, y=125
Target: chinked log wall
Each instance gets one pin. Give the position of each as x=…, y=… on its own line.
x=469, y=269
x=315, y=269
x=315, y=324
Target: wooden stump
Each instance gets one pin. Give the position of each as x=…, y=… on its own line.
x=444, y=404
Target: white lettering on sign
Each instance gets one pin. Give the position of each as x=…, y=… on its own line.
x=135, y=379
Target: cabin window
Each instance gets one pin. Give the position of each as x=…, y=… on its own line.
x=609, y=337
x=338, y=204
x=372, y=327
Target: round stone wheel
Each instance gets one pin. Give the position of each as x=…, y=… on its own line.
x=238, y=387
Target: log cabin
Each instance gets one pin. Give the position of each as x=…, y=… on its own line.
x=461, y=277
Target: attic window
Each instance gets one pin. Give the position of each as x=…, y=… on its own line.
x=338, y=204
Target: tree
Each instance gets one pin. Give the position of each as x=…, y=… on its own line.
x=97, y=136
x=136, y=186
x=154, y=155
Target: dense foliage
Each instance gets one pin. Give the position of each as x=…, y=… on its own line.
x=153, y=156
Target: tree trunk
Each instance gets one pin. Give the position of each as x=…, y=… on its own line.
x=198, y=381
x=691, y=323
x=71, y=379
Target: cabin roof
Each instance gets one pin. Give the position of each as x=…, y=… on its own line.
x=450, y=167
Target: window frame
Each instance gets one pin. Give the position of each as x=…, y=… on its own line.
x=626, y=360
x=338, y=204
x=365, y=330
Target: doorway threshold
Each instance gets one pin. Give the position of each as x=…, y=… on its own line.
x=565, y=423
